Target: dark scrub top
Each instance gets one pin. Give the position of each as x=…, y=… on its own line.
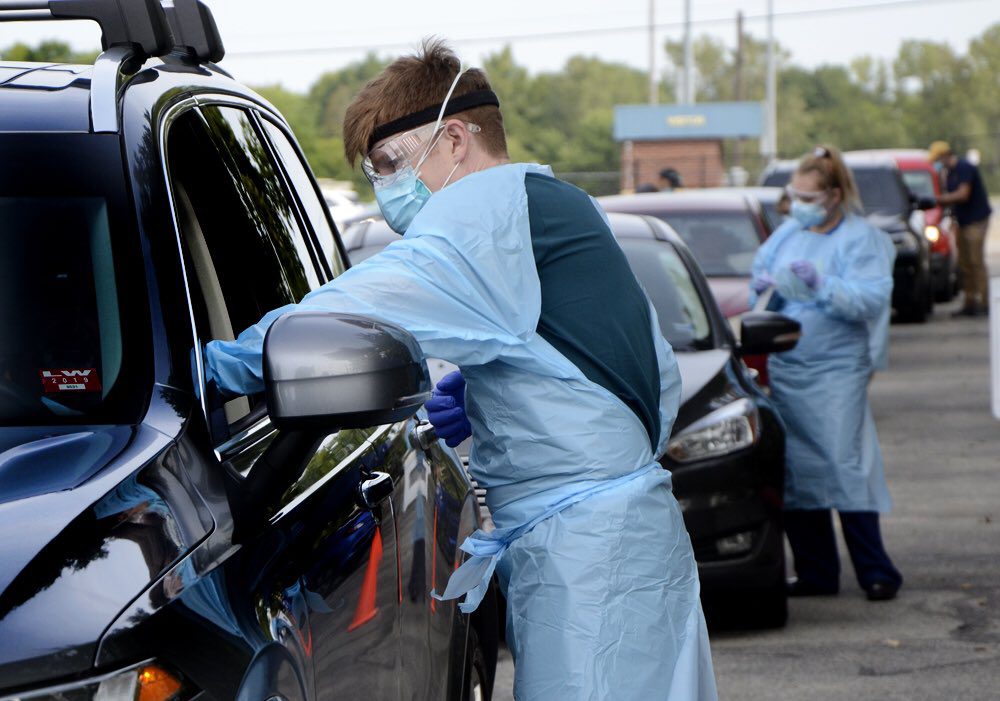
x=977, y=207
x=593, y=310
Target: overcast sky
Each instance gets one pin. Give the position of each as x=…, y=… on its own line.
x=267, y=47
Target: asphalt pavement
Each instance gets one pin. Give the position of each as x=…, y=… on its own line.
x=940, y=639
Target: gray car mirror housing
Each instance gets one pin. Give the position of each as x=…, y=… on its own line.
x=768, y=332
x=333, y=371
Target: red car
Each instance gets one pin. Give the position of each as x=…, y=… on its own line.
x=939, y=227
x=723, y=229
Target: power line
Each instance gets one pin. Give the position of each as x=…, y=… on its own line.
x=594, y=31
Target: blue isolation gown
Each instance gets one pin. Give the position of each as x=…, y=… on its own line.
x=590, y=545
x=833, y=458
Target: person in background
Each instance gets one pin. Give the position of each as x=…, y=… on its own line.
x=669, y=180
x=967, y=197
x=833, y=273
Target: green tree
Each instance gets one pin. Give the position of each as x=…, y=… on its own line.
x=47, y=52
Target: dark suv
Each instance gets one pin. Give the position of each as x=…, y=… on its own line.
x=158, y=540
x=888, y=206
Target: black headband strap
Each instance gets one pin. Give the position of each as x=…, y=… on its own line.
x=476, y=98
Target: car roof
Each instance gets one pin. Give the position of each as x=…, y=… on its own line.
x=44, y=97
x=905, y=158
x=721, y=199
x=853, y=159
x=762, y=193
x=171, y=39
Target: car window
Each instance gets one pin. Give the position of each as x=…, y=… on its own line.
x=684, y=321
x=72, y=296
x=881, y=191
x=919, y=182
x=244, y=250
x=723, y=243
x=314, y=207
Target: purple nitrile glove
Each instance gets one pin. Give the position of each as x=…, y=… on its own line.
x=806, y=272
x=761, y=283
x=446, y=410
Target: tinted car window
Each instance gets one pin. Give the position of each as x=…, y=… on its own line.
x=661, y=271
x=244, y=249
x=314, y=207
x=881, y=191
x=880, y=188
x=723, y=243
x=73, y=339
x=919, y=182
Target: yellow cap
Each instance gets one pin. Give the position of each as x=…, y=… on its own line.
x=937, y=149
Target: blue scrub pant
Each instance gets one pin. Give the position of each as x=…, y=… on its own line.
x=814, y=545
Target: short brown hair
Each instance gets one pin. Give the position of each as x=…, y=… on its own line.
x=833, y=173
x=413, y=83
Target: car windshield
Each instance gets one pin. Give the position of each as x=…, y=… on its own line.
x=684, y=321
x=919, y=182
x=880, y=189
x=723, y=243
x=70, y=284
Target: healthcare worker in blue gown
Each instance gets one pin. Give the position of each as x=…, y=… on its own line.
x=571, y=389
x=832, y=271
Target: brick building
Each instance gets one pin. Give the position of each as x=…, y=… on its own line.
x=688, y=138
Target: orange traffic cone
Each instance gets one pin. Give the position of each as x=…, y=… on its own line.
x=367, y=609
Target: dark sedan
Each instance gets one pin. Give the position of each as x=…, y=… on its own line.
x=727, y=449
x=723, y=229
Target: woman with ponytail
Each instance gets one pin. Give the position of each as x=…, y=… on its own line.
x=832, y=271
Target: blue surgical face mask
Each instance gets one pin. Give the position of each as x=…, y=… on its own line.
x=808, y=214
x=938, y=166
x=401, y=198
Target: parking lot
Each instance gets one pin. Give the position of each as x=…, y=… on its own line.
x=941, y=638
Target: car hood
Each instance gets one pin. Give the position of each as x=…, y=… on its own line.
x=698, y=369
x=80, y=542
x=887, y=222
x=731, y=293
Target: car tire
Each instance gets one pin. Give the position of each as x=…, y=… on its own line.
x=477, y=686
x=915, y=309
x=769, y=608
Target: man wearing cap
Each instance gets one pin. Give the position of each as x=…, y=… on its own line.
x=967, y=197
x=567, y=386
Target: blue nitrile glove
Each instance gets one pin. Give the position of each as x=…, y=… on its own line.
x=761, y=283
x=446, y=410
x=806, y=272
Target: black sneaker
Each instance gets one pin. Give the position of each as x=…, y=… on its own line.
x=882, y=591
x=970, y=311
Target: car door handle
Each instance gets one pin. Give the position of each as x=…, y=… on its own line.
x=423, y=435
x=376, y=489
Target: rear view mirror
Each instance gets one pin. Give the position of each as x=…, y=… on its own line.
x=926, y=203
x=768, y=332
x=333, y=371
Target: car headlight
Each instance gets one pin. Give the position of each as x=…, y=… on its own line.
x=733, y=427
x=144, y=682
x=932, y=233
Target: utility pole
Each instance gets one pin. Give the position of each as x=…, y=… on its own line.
x=772, y=88
x=653, y=89
x=688, y=57
x=738, y=78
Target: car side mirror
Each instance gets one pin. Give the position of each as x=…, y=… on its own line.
x=333, y=371
x=768, y=332
x=926, y=203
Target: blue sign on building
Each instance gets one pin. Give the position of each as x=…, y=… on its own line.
x=710, y=120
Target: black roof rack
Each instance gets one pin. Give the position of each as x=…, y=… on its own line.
x=136, y=24
x=194, y=29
